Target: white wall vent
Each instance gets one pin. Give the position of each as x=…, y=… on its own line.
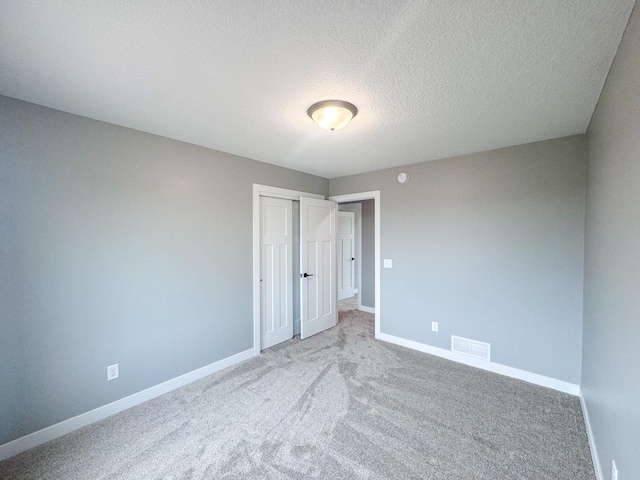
x=471, y=347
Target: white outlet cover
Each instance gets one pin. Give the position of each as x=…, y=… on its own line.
x=113, y=372
x=434, y=326
x=388, y=263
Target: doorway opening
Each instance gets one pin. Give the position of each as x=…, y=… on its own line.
x=366, y=207
x=356, y=256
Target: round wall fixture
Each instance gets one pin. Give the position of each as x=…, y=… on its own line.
x=403, y=178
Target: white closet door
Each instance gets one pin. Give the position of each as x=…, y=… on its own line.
x=318, y=239
x=276, y=271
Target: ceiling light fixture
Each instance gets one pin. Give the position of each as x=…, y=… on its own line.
x=332, y=114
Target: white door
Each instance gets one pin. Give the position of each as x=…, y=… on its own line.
x=318, y=290
x=346, y=255
x=276, y=271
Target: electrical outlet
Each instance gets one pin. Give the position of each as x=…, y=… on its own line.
x=113, y=372
x=614, y=470
x=388, y=263
x=434, y=326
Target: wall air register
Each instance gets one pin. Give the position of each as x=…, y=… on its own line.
x=470, y=347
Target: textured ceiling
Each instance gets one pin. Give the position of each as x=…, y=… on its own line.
x=431, y=79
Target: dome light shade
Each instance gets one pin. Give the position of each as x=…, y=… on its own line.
x=332, y=114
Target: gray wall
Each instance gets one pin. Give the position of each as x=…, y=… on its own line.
x=611, y=356
x=116, y=246
x=368, y=294
x=491, y=246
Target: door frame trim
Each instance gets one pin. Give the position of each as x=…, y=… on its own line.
x=375, y=196
x=265, y=191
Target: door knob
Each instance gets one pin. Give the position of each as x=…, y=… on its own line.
x=352, y=259
x=307, y=275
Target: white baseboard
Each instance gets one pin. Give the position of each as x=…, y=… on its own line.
x=530, y=377
x=362, y=308
x=34, y=439
x=592, y=444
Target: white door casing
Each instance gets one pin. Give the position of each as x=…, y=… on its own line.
x=346, y=255
x=276, y=271
x=318, y=239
